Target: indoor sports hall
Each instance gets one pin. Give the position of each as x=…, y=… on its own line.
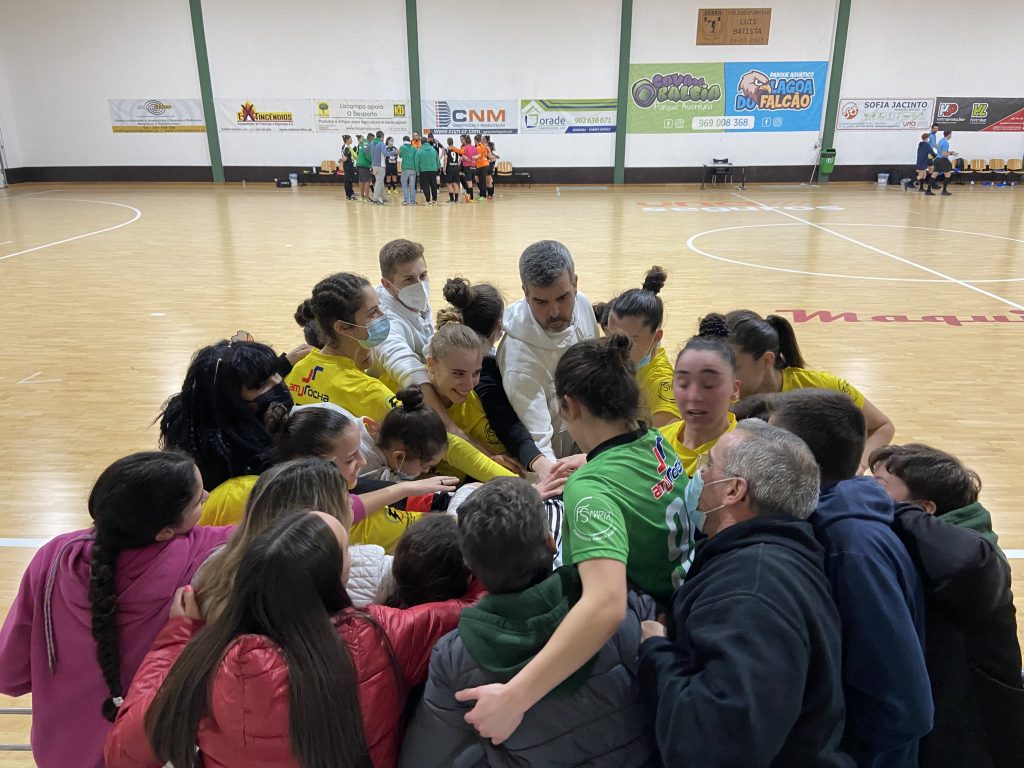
x=173, y=173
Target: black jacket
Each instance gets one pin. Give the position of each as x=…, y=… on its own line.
x=503, y=418
x=754, y=677
x=971, y=647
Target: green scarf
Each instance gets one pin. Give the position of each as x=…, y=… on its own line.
x=504, y=632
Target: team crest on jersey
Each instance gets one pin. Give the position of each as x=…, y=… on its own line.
x=600, y=522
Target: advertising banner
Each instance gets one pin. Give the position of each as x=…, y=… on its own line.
x=156, y=115
x=733, y=96
x=668, y=98
x=450, y=117
x=263, y=115
x=885, y=114
x=778, y=95
x=567, y=116
x=359, y=116
x=960, y=113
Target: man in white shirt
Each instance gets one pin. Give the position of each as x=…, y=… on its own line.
x=551, y=317
x=404, y=293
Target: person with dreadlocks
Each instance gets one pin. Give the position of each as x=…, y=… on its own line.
x=217, y=418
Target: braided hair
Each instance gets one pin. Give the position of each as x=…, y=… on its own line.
x=132, y=501
x=336, y=297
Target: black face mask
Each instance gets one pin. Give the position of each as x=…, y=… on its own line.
x=279, y=393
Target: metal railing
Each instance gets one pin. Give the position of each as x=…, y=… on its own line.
x=15, y=747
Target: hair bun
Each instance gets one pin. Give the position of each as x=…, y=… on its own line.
x=448, y=316
x=654, y=280
x=458, y=292
x=713, y=326
x=411, y=398
x=617, y=347
x=304, y=313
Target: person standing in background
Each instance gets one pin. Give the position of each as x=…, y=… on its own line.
x=348, y=165
x=391, y=165
x=453, y=159
x=427, y=166
x=363, y=166
x=468, y=166
x=407, y=154
x=943, y=164
x=483, y=164
x=494, y=159
x=377, y=162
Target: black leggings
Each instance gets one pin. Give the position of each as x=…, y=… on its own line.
x=481, y=179
x=428, y=183
x=350, y=174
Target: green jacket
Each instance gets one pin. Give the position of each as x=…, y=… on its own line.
x=363, y=155
x=427, y=159
x=407, y=154
x=503, y=632
x=976, y=518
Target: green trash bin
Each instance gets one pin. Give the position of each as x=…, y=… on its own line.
x=828, y=162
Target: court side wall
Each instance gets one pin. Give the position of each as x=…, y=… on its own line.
x=942, y=48
x=313, y=49
x=8, y=128
x=529, y=49
x=72, y=57
x=665, y=31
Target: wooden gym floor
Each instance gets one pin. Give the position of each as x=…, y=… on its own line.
x=107, y=290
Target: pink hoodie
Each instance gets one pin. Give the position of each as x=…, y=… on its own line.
x=46, y=645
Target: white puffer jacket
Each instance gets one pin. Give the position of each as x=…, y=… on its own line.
x=369, y=567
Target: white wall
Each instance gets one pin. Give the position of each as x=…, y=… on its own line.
x=527, y=49
x=308, y=49
x=665, y=31
x=66, y=59
x=8, y=126
x=960, y=64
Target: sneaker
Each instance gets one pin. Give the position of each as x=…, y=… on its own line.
x=930, y=193
x=905, y=183
x=947, y=194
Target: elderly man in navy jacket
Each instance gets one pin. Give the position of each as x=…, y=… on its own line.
x=754, y=674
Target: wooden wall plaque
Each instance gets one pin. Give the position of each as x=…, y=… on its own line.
x=733, y=26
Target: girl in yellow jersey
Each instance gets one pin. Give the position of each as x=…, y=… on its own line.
x=347, y=311
x=769, y=360
x=704, y=386
x=638, y=313
x=380, y=511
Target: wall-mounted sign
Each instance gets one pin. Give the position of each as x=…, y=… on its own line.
x=733, y=26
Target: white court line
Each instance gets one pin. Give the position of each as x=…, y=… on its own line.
x=28, y=194
x=892, y=256
x=6, y=242
x=23, y=543
x=136, y=217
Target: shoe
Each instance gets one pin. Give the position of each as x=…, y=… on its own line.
x=1001, y=184
x=930, y=193
x=905, y=183
x=947, y=194
x=404, y=203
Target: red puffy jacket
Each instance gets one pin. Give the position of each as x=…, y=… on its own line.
x=247, y=725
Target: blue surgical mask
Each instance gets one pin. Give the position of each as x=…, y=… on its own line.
x=691, y=498
x=646, y=359
x=376, y=332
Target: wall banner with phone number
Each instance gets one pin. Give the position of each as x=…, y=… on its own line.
x=777, y=96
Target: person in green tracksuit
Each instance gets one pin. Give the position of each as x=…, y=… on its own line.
x=626, y=522
x=363, y=166
x=407, y=157
x=428, y=163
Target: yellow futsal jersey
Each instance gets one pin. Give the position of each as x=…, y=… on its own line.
x=320, y=378
x=655, y=380
x=674, y=434
x=471, y=418
x=801, y=378
x=383, y=527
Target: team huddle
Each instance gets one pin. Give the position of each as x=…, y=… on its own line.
x=520, y=535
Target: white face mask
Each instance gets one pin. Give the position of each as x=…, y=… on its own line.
x=416, y=296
